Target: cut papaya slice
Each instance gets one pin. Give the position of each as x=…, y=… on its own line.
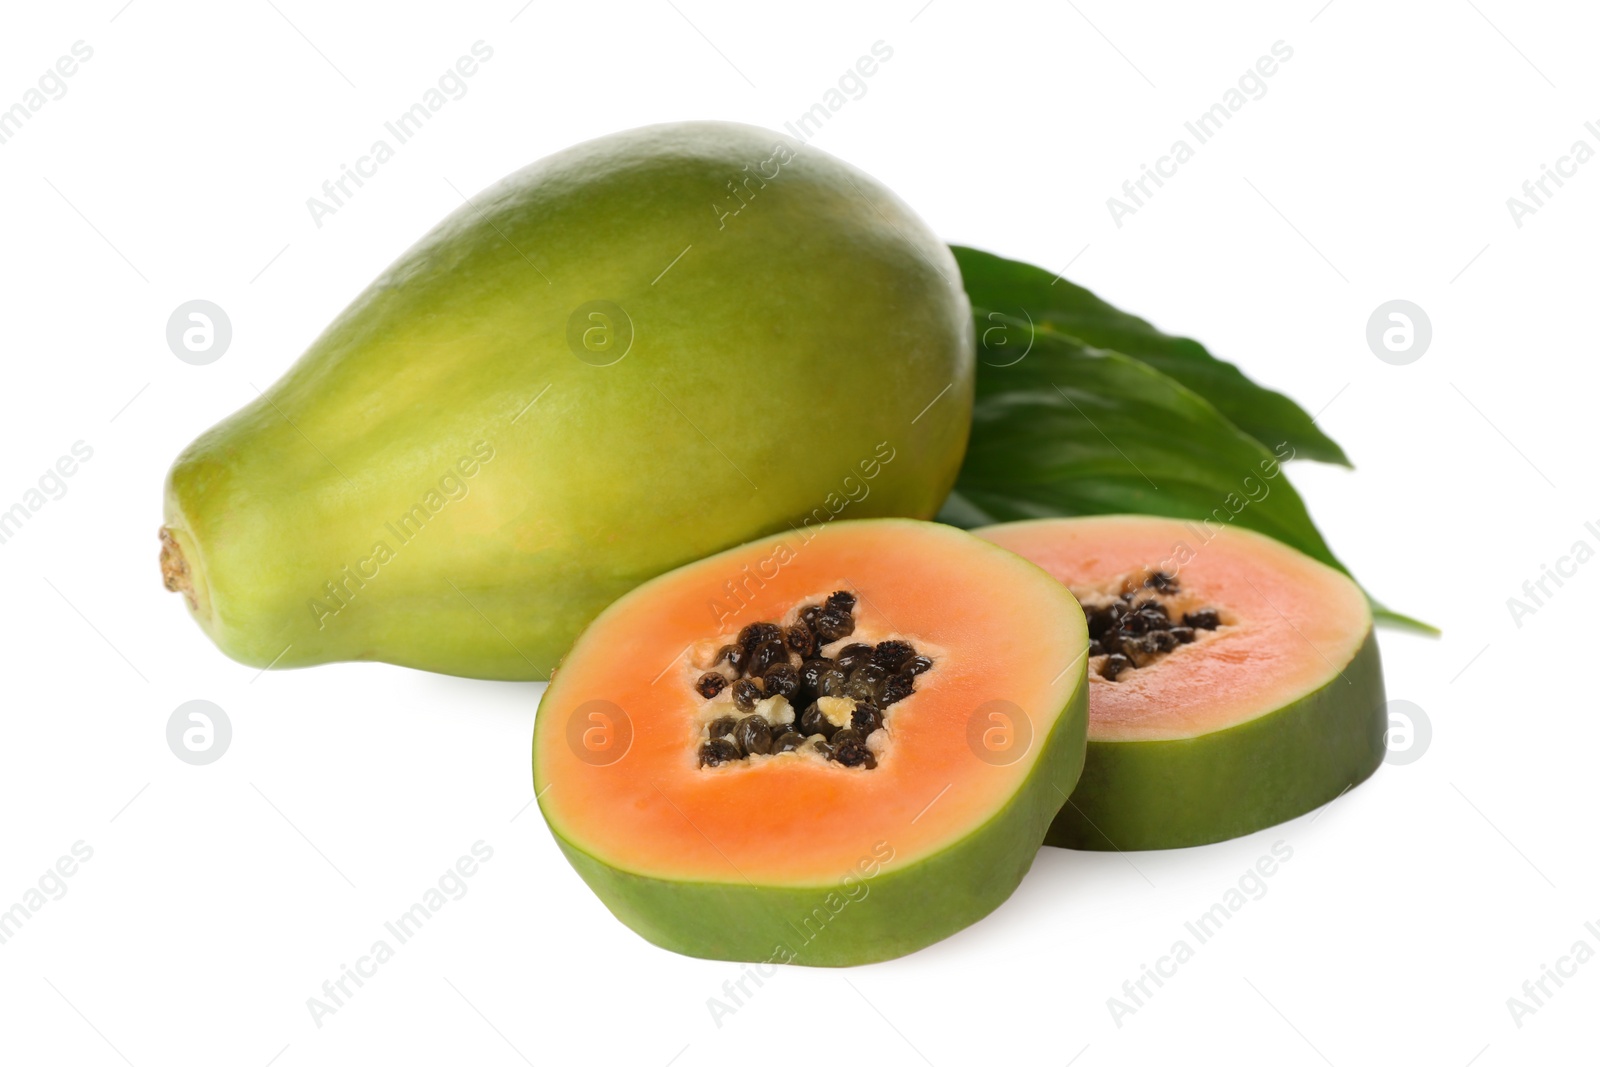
x=1234, y=682
x=827, y=747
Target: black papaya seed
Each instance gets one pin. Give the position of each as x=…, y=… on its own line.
x=801, y=640
x=1101, y=620
x=1138, y=650
x=892, y=655
x=897, y=689
x=757, y=632
x=734, y=656
x=813, y=722
x=1143, y=621
x=811, y=671
x=745, y=694
x=781, y=680
x=1161, y=582
x=858, y=690
x=787, y=741
x=832, y=625
x=1114, y=665
x=918, y=665
x=870, y=673
x=717, y=752
x=1096, y=648
x=851, y=751
x=710, y=684
x=767, y=655
x=1204, y=619
x=722, y=727
x=842, y=600
x=1160, y=641
x=1184, y=634
x=865, y=687
x=852, y=656
x=832, y=683
x=866, y=719
x=754, y=735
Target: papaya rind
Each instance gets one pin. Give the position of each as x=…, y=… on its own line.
x=1137, y=795
x=906, y=906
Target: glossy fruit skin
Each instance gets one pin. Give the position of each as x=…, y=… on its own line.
x=550, y=461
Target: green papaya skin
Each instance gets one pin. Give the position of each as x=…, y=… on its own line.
x=912, y=907
x=1137, y=795
x=629, y=355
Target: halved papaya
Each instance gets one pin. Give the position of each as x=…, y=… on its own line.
x=1234, y=682
x=827, y=747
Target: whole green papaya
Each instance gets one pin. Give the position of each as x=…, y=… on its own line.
x=629, y=355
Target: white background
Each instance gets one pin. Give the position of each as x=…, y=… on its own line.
x=1377, y=166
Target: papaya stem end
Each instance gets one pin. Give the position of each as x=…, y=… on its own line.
x=175, y=569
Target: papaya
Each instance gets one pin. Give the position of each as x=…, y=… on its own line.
x=848, y=760
x=629, y=355
x=1235, y=683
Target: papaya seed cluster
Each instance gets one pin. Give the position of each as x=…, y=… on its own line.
x=769, y=670
x=1136, y=627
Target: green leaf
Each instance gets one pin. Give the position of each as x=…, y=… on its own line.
x=1061, y=428
x=1385, y=617
x=1017, y=289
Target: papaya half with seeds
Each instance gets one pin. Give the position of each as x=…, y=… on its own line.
x=632, y=354
x=894, y=813
x=1234, y=682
